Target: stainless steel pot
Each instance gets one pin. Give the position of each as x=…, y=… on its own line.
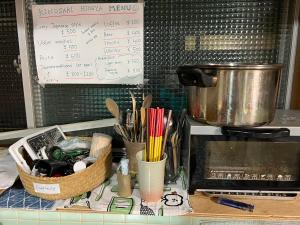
x=233, y=94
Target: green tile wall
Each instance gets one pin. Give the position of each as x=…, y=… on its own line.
x=49, y=216
x=91, y=223
x=8, y=214
x=49, y=222
x=30, y=217
x=91, y=217
x=8, y=222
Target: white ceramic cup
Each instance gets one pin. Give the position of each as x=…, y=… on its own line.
x=151, y=178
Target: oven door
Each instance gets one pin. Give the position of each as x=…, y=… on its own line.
x=246, y=160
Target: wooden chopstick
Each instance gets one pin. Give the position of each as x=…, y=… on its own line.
x=147, y=135
x=166, y=133
x=152, y=133
x=161, y=124
x=155, y=137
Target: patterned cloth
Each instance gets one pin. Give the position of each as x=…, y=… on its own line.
x=19, y=198
x=105, y=198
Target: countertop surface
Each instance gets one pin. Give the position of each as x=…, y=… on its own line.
x=266, y=209
x=278, y=211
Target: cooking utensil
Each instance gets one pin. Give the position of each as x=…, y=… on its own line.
x=147, y=134
x=136, y=124
x=232, y=94
x=129, y=124
x=147, y=101
x=121, y=131
x=174, y=141
x=133, y=116
x=168, y=125
x=113, y=107
x=121, y=117
x=143, y=123
x=155, y=134
x=180, y=123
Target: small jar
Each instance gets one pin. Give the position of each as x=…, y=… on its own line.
x=124, y=185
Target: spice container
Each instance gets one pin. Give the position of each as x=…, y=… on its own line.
x=124, y=179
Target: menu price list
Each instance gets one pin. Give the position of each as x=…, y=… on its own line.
x=90, y=43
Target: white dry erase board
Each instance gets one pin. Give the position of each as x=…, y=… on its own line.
x=89, y=43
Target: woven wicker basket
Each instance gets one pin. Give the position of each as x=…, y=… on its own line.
x=53, y=188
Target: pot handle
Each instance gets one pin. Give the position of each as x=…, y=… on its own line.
x=195, y=76
x=259, y=133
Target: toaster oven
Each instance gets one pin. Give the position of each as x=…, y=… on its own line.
x=257, y=160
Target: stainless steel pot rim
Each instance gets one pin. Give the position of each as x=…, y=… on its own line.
x=233, y=66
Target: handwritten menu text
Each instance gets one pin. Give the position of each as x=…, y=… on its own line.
x=89, y=43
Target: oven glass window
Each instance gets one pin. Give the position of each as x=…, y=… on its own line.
x=255, y=160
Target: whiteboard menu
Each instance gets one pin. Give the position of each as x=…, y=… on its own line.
x=89, y=43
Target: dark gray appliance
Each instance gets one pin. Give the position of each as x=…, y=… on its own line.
x=257, y=160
